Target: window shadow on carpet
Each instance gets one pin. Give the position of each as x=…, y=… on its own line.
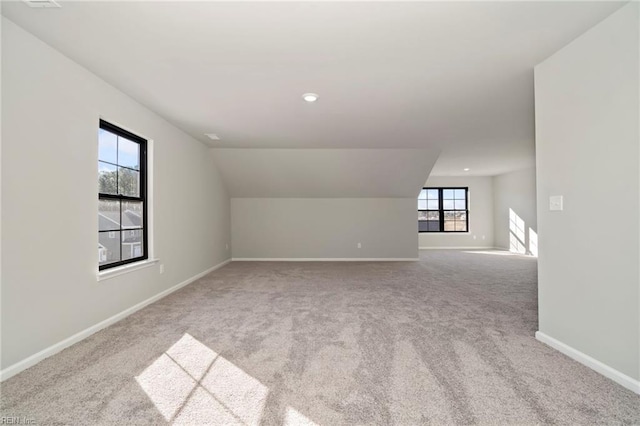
x=192, y=384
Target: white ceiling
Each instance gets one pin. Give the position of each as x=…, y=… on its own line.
x=456, y=76
x=324, y=173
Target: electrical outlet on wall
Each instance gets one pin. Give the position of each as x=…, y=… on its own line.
x=359, y=245
x=162, y=268
x=227, y=247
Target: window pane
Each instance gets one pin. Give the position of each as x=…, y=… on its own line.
x=432, y=194
x=423, y=194
x=429, y=226
x=449, y=225
x=460, y=194
x=461, y=226
x=433, y=215
x=132, y=244
x=422, y=205
x=422, y=215
x=448, y=204
x=107, y=178
x=128, y=153
x=449, y=216
x=128, y=182
x=461, y=216
x=107, y=146
x=460, y=204
x=433, y=226
x=448, y=194
x=108, y=247
x=108, y=215
x=433, y=205
x=131, y=214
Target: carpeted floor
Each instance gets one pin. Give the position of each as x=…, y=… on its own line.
x=447, y=340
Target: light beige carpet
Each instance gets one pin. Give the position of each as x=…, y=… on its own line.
x=447, y=340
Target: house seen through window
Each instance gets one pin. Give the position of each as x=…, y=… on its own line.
x=122, y=202
x=443, y=210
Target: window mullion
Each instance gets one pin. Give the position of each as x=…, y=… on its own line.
x=441, y=205
x=120, y=197
x=121, y=230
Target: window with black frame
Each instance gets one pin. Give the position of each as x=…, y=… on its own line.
x=443, y=210
x=122, y=202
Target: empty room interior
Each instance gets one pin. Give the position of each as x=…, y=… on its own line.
x=320, y=213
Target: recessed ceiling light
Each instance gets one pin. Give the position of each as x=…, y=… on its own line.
x=466, y=169
x=310, y=97
x=212, y=136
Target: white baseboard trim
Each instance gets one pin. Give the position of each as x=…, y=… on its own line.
x=598, y=366
x=19, y=366
x=324, y=259
x=458, y=248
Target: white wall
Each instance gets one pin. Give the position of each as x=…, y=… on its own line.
x=480, y=233
x=587, y=132
x=514, y=211
x=324, y=227
x=50, y=112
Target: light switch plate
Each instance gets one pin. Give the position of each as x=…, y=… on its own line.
x=556, y=203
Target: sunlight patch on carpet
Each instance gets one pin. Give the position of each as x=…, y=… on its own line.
x=295, y=418
x=192, y=384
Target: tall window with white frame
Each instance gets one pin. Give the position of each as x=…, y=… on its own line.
x=443, y=210
x=122, y=197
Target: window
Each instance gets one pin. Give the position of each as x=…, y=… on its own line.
x=443, y=210
x=122, y=197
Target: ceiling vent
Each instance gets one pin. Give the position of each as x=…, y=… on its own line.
x=42, y=3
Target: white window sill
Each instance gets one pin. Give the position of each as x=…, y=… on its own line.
x=125, y=269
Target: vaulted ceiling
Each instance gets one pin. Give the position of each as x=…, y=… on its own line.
x=454, y=79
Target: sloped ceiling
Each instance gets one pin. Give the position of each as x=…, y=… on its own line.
x=324, y=173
